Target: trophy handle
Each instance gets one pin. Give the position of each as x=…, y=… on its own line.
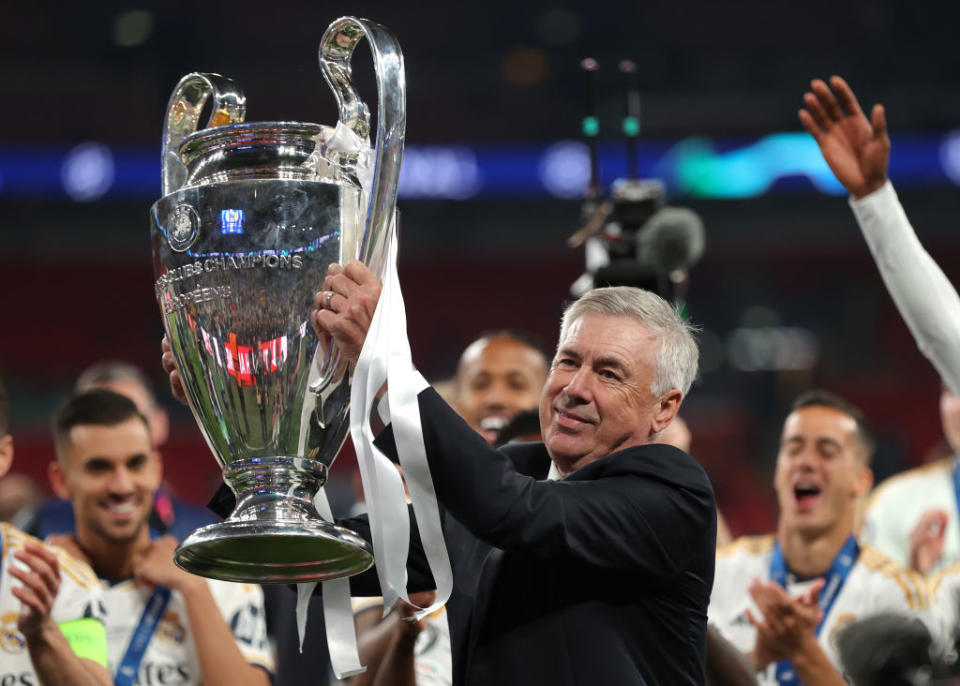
x=183, y=115
x=336, y=49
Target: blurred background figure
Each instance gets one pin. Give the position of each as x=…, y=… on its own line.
x=169, y=515
x=499, y=374
x=781, y=599
x=912, y=516
x=20, y=496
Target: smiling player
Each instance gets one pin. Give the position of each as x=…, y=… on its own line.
x=782, y=599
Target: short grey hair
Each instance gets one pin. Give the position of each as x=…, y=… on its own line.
x=676, y=359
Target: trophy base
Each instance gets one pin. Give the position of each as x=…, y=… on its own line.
x=274, y=552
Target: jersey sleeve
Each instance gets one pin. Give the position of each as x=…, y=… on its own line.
x=242, y=609
x=926, y=299
x=944, y=589
x=883, y=525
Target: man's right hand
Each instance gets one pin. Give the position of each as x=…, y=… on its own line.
x=345, y=307
x=926, y=541
x=857, y=150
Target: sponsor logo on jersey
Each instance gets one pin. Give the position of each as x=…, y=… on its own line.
x=163, y=674
x=21, y=679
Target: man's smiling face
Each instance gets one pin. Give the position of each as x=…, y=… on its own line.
x=110, y=473
x=598, y=397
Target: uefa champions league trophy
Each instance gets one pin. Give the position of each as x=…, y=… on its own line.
x=252, y=214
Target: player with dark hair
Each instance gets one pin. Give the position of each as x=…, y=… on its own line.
x=190, y=629
x=781, y=598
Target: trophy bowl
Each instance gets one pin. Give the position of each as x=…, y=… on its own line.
x=252, y=215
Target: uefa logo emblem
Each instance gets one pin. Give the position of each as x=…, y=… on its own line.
x=183, y=227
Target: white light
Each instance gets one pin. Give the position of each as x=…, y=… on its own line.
x=565, y=169
x=132, y=28
x=771, y=348
x=87, y=172
x=950, y=156
x=449, y=172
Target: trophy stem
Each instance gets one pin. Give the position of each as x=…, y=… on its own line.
x=275, y=534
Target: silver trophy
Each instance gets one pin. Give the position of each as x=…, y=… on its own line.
x=251, y=216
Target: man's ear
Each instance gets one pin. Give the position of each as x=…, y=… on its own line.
x=6, y=453
x=58, y=480
x=666, y=409
x=864, y=481
x=158, y=466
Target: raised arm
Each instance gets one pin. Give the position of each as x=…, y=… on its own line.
x=858, y=151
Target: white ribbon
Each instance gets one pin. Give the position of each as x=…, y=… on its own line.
x=337, y=611
x=384, y=358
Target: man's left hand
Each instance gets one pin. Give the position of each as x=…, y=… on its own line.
x=788, y=624
x=41, y=583
x=345, y=307
x=155, y=567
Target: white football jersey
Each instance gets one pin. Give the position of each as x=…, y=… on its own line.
x=171, y=658
x=875, y=584
x=896, y=506
x=80, y=596
x=945, y=603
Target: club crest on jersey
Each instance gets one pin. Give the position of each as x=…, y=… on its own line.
x=171, y=629
x=11, y=640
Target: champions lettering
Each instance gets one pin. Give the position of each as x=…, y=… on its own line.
x=218, y=264
x=173, y=303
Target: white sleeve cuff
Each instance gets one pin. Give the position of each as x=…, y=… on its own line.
x=882, y=202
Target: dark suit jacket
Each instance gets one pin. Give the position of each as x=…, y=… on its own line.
x=602, y=578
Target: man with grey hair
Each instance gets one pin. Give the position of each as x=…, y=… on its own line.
x=602, y=575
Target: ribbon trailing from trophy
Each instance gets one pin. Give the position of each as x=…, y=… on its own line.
x=384, y=358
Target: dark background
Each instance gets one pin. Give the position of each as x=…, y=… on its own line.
x=76, y=278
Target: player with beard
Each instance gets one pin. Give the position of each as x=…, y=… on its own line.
x=188, y=629
x=782, y=599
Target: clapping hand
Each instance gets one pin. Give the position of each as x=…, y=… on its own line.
x=926, y=541
x=41, y=583
x=787, y=625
